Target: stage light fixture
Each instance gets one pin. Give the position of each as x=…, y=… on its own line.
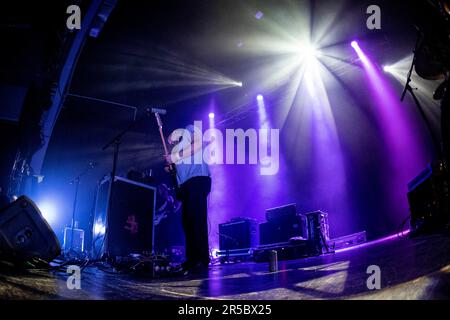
x=388, y=69
x=259, y=97
x=361, y=55
x=211, y=115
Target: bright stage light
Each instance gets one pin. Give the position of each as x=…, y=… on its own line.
x=399, y=70
x=361, y=55
x=262, y=114
x=308, y=52
x=236, y=84
x=214, y=253
x=211, y=115
x=388, y=69
x=49, y=211
x=99, y=228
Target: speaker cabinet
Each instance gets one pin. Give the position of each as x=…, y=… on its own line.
x=25, y=234
x=282, y=230
x=279, y=214
x=238, y=234
x=126, y=227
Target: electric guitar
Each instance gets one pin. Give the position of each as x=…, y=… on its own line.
x=172, y=168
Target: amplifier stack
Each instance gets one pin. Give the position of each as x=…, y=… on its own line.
x=290, y=234
x=283, y=223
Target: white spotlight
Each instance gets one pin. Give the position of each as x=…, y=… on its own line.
x=308, y=52
x=388, y=69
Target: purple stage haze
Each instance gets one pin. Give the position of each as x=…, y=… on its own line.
x=405, y=155
x=317, y=160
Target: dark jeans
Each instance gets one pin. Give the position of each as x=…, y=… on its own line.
x=195, y=219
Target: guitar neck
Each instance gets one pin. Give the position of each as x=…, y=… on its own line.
x=172, y=167
x=166, y=150
x=161, y=133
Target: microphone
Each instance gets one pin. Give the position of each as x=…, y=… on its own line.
x=156, y=110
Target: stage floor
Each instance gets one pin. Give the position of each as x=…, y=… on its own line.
x=410, y=269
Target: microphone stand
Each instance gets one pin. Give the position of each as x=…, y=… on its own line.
x=410, y=89
x=115, y=142
x=76, y=181
x=118, y=138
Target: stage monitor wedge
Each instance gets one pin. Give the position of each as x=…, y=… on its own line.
x=25, y=234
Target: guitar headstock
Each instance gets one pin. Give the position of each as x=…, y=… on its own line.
x=158, y=120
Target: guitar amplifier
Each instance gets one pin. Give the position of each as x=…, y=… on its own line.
x=281, y=231
x=286, y=212
x=238, y=234
x=126, y=227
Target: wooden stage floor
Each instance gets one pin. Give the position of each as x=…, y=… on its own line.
x=410, y=269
